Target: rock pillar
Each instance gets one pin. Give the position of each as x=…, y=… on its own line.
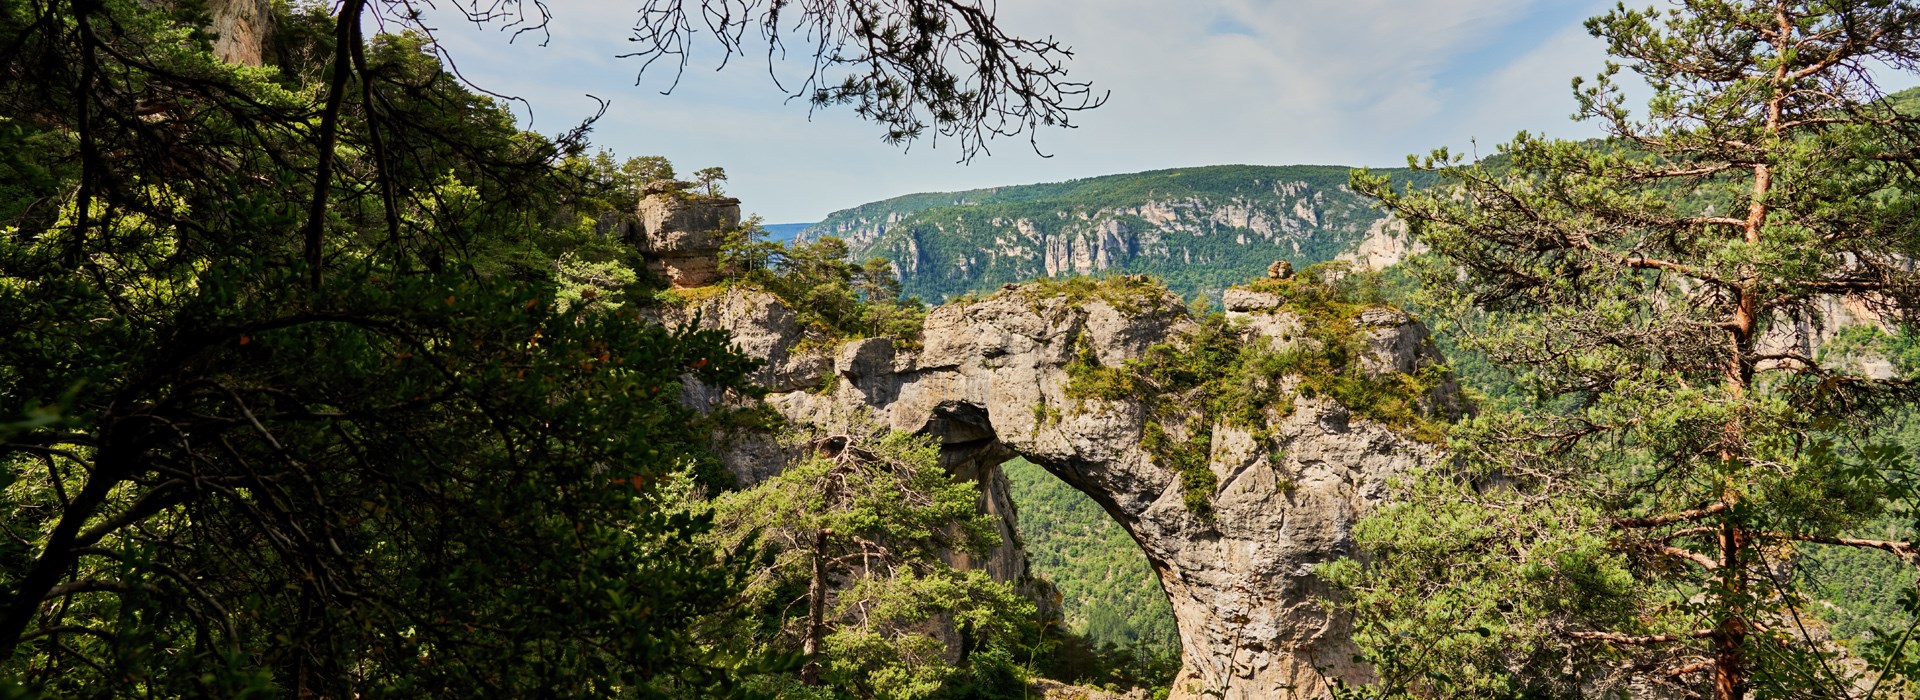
x=680, y=232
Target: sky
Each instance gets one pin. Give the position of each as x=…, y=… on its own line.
x=1193, y=82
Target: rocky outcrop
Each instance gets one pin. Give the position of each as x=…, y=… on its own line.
x=679, y=234
x=1387, y=243
x=1810, y=333
x=242, y=29
x=990, y=381
x=1213, y=224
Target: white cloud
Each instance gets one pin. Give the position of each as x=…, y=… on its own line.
x=1360, y=82
x=1534, y=93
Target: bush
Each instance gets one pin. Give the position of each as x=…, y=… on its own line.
x=837, y=297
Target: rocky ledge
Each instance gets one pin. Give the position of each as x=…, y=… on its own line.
x=990, y=379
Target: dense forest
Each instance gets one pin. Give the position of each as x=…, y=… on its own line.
x=1199, y=229
x=1108, y=592
x=324, y=379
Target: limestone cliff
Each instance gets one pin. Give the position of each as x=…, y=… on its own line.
x=990, y=380
x=679, y=233
x=1200, y=229
x=242, y=30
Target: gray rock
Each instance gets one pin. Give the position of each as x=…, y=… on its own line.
x=990, y=383
x=1261, y=314
x=680, y=236
x=796, y=356
x=1246, y=301
x=242, y=30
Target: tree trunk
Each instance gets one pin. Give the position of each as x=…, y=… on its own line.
x=1730, y=635
x=816, y=610
x=345, y=32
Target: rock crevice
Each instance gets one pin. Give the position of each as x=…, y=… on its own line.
x=990, y=379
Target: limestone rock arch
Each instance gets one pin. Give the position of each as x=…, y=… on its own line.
x=989, y=380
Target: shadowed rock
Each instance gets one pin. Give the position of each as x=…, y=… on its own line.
x=990, y=381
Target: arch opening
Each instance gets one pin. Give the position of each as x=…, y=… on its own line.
x=990, y=378
x=1065, y=548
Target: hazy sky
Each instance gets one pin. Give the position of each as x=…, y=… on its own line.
x=1193, y=82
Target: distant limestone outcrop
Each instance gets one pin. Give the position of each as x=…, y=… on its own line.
x=1201, y=228
x=680, y=233
x=989, y=378
x=242, y=30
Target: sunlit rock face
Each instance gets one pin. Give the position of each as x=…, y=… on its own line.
x=241, y=29
x=679, y=235
x=989, y=379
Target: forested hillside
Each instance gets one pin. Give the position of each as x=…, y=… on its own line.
x=1200, y=229
x=321, y=377
x=1108, y=592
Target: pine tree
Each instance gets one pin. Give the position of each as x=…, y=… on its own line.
x=289, y=402
x=1660, y=293
x=854, y=541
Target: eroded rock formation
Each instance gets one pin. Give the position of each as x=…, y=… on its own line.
x=990, y=380
x=680, y=234
x=242, y=30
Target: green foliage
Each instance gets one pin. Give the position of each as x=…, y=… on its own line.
x=863, y=522
x=710, y=179
x=422, y=475
x=600, y=276
x=1859, y=594
x=641, y=170
x=1329, y=299
x=1128, y=294
x=616, y=185
x=1213, y=374
x=1644, y=506
x=838, y=298
x=321, y=379
x=1487, y=574
x=1109, y=594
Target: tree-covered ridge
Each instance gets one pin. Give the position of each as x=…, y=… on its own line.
x=1200, y=229
x=1108, y=592
x=1124, y=189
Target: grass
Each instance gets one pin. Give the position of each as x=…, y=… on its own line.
x=1130, y=294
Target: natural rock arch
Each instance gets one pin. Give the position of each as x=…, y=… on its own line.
x=990, y=381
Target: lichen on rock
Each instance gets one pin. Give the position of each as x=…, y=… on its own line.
x=680, y=235
x=1287, y=481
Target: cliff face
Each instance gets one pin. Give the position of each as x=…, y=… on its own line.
x=243, y=29
x=990, y=381
x=680, y=235
x=1199, y=228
